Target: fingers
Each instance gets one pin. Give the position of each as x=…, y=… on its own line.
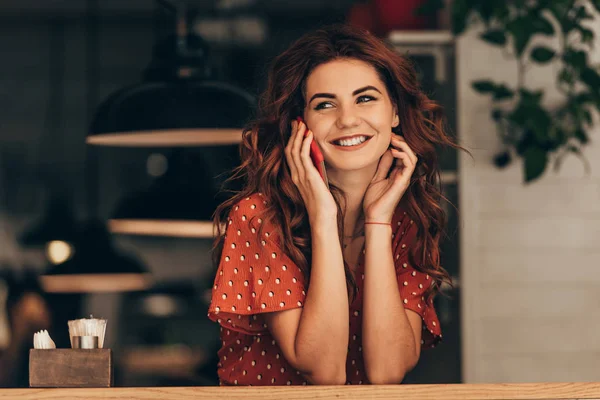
x=407, y=162
x=385, y=163
x=296, y=140
x=305, y=159
x=400, y=142
x=293, y=149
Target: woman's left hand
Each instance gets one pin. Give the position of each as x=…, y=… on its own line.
x=384, y=193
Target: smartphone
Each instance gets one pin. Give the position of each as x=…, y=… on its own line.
x=316, y=156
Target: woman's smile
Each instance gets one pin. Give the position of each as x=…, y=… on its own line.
x=352, y=144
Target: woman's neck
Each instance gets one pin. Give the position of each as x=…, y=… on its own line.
x=354, y=184
x=354, y=221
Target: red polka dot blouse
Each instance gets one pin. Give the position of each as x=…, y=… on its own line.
x=255, y=277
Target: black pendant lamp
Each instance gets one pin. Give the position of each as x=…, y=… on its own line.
x=55, y=231
x=56, y=224
x=96, y=266
x=179, y=103
x=180, y=203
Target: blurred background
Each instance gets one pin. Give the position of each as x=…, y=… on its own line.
x=120, y=119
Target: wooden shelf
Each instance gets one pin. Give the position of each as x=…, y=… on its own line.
x=169, y=228
x=434, y=38
x=169, y=138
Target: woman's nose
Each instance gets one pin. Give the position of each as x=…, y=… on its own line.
x=348, y=118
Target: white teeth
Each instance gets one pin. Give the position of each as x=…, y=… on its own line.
x=351, y=142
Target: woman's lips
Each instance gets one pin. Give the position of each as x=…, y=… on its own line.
x=352, y=148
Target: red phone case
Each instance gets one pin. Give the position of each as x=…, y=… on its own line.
x=316, y=156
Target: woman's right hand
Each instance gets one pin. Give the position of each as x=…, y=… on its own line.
x=318, y=200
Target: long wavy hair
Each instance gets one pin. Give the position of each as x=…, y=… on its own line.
x=263, y=162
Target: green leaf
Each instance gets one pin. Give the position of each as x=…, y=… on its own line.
x=519, y=115
x=581, y=136
x=535, y=161
x=486, y=9
x=495, y=37
x=596, y=4
x=520, y=28
x=566, y=76
x=587, y=35
x=502, y=92
x=497, y=114
x=542, y=25
x=582, y=14
x=595, y=96
x=539, y=122
x=583, y=98
x=591, y=78
x=558, y=135
x=587, y=117
x=429, y=7
x=484, y=86
x=501, y=12
x=542, y=54
x=502, y=160
x=526, y=141
x=459, y=14
x=560, y=10
x=531, y=98
x=576, y=58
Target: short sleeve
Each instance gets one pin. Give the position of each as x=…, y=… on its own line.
x=412, y=283
x=254, y=276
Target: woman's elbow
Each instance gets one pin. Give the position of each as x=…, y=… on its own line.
x=389, y=376
x=329, y=377
x=386, y=378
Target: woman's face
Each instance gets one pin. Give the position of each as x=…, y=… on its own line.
x=347, y=98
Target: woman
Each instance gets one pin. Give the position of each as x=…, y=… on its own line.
x=332, y=286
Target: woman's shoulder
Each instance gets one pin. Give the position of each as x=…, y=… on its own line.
x=249, y=211
x=250, y=205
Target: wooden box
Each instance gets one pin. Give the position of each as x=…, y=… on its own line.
x=72, y=368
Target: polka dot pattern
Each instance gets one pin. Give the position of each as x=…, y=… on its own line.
x=412, y=283
x=255, y=277
x=260, y=281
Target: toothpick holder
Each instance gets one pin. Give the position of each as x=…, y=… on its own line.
x=70, y=368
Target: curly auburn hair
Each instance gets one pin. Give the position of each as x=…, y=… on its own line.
x=264, y=139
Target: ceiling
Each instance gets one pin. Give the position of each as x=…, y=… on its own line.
x=49, y=8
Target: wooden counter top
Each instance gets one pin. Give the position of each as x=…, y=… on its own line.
x=513, y=391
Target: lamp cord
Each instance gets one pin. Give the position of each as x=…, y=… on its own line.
x=91, y=166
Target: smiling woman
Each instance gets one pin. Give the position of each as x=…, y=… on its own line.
x=297, y=303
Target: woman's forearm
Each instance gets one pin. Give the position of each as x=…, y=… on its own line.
x=389, y=348
x=322, y=339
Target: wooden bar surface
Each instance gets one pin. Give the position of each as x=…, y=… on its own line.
x=512, y=391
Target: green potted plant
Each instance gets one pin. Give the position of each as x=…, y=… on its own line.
x=528, y=129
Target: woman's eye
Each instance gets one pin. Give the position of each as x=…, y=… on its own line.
x=322, y=105
x=361, y=99
x=365, y=99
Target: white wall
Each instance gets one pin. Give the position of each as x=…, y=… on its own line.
x=530, y=269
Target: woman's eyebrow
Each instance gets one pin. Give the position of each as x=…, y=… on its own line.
x=332, y=96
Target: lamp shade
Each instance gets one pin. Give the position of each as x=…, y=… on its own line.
x=173, y=113
x=96, y=266
x=179, y=102
x=181, y=202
